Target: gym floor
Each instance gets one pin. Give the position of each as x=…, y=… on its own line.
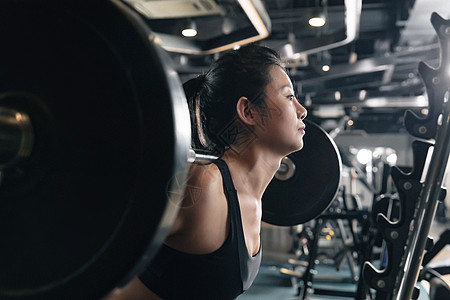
x=272, y=284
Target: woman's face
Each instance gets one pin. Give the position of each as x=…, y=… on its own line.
x=281, y=124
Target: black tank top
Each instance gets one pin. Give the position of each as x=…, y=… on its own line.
x=223, y=274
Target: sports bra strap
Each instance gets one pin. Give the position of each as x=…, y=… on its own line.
x=249, y=265
x=226, y=177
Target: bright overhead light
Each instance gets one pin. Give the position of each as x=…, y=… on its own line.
x=325, y=68
x=190, y=29
x=189, y=32
x=337, y=96
x=317, y=21
x=362, y=95
x=317, y=17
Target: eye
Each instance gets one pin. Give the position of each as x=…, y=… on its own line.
x=291, y=97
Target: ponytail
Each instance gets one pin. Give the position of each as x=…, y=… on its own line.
x=192, y=89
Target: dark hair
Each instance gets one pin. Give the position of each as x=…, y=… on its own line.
x=212, y=97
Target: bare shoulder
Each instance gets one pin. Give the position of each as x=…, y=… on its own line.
x=204, y=189
x=201, y=224
x=205, y=177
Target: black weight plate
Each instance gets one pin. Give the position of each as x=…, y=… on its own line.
x=313, y=186
x=90, y=207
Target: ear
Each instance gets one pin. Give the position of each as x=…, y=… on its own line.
x=246, y=111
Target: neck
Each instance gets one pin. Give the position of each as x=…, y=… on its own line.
x=251, y=170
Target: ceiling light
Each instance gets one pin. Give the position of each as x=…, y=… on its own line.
x=337, y=96
x=362, y=95
x=317, y=21
x=325, y=68
x=189, y=32
x=190, y=29
x=317, y=18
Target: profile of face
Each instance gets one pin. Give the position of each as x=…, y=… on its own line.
x=280, y=124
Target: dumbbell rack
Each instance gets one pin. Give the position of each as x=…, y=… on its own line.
x=420, y=189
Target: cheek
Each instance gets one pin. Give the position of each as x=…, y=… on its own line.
x=291, y=117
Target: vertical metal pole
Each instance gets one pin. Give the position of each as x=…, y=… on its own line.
x=427, y=207
x=307, y=278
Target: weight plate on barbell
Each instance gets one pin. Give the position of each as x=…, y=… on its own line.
x=312, y=187
x=89, y=207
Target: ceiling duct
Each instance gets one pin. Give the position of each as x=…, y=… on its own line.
x=364, y=73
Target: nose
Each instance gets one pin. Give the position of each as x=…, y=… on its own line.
x=301, y=111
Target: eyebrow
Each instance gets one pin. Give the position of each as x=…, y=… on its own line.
x=287, y=86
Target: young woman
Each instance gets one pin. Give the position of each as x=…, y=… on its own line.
x=244, y=111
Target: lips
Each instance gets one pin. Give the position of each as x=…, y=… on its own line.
x=302, y=129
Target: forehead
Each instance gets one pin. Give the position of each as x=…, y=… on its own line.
x=278, y=79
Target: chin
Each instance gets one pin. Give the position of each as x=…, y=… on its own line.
x=300, y=145
x=296, y=148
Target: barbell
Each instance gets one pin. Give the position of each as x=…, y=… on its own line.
x=89, y=108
